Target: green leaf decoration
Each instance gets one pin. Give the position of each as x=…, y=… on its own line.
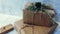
x=33, y=8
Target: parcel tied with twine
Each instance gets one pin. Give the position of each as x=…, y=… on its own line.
x=38, y=14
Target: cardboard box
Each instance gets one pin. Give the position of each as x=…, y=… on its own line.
x=22, y=28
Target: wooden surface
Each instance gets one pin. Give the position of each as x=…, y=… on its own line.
x=6, y=29
x=40, y=29
x=34, y=29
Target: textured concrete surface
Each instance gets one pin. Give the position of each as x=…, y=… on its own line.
x=8, y=19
